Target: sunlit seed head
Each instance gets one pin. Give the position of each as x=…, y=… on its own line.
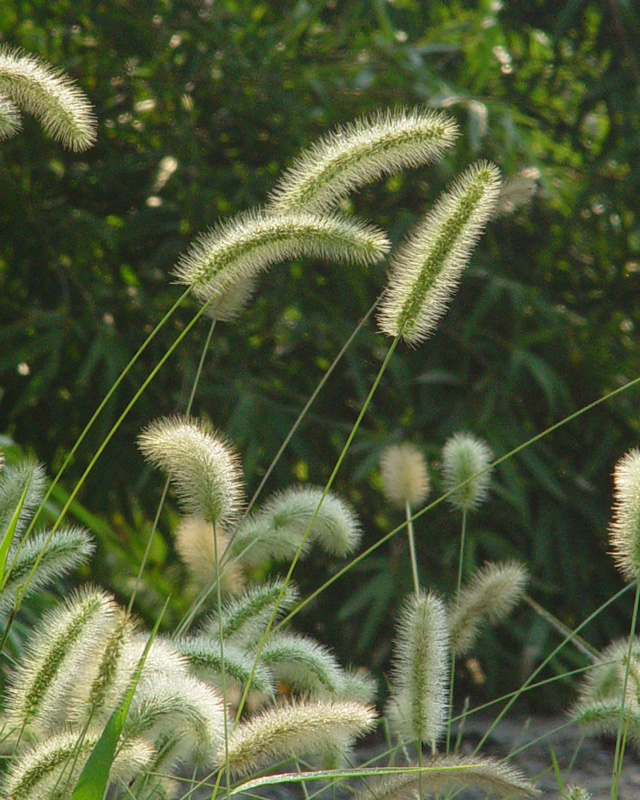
x=203, y=467
x=404, y=475
x=196, y=547
x=221, y=265
x=464, y=456
x=426, y=270
x=624, y=530
x=61, y=107
x=360, y=152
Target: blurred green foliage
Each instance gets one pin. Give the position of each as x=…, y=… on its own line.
x=200, y=105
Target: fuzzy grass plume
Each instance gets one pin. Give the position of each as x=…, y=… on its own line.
x=404, y=475
x=204, y=469
x=418, y=706
x=194, y=539
x=463, y=457
x=426, y=270
x=624, y=531
x=236, y=251
x=278, y=529
x=491, y=594
x=53, y=98
x=449, y=774
x=296, y=730
x=359, y=153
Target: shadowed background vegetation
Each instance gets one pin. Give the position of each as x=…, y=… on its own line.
x=200, y=106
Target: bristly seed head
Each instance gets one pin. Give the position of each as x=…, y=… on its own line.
x=205, y=470
x=52, y=97
x=463, y=457
x=427, y=268
x=404, y=475
x=218, y=263
x=359, y=153
x=624, y=530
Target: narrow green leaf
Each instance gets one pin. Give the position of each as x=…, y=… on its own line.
x=7, y=539
x=93, y=779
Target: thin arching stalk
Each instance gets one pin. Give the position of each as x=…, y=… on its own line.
x=383, y=539
x=296, y=557
x=165, y=489
x=20, y=597
x=308, y=405
x=622, y=723
x=412, y=548
x=452, y=673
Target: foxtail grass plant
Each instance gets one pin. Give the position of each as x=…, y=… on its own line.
x=234, y=692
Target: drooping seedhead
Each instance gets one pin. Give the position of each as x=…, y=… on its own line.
x=203, y=467
x=624, y=530
x=221, y=265
x=404, y=475
x=359, y=153
x=27, y=83
x=464, y=457
x=426, y=271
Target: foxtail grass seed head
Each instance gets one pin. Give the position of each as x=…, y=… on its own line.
x=225, y=262
x=196, y=548
x=10, y=122
x=69, y=632
x=404, y=475
x=245, y=617
x=15, y=479
x=624, y=530
x=426, y=271
x=359, y=153
x=302, y=664
x=40, y=772
x=295, y=730
x=463, y=457
x=450, y=774
x=204, y=469
x=491, y=594
x=54, y=99
x=575, y=793
x=418, y=707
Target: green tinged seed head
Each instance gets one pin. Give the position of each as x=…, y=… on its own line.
x=418, y=707
x=463, y=457
x=491, y=594
x=62, y=108
x=295, y=730
x=204, y=469
x=451, y=774
x=222, y=265
x=359, y=153
x=404, y=475
x=575, y=793
x=426, y=271
x=624, y=530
